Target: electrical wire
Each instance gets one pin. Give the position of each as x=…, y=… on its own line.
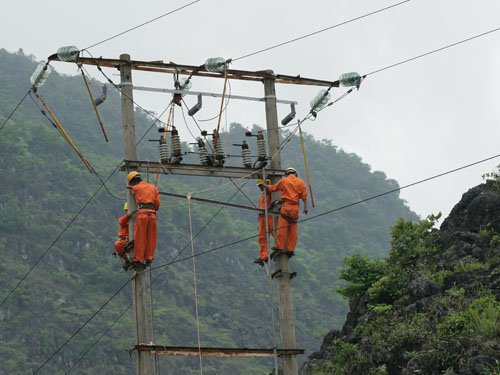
x=142, y=24
x=225, y=106
x=166, y=265
x=156, y=278
x=340, y=208
x=434, y=51
x=15, y=109
x=71, y=221
x=81, y=327
x=320, y=31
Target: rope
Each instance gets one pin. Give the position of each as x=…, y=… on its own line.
x=221, y=105
x=194, y=281
x=95, y=107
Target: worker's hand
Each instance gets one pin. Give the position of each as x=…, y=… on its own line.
x=305, y=210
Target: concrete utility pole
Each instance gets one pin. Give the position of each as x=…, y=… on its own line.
x=143, y=358
x=287, y=326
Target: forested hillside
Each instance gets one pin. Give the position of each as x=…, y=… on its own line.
x=49, y=205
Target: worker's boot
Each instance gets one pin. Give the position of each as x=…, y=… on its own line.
x=128, y=264
x=259, y=261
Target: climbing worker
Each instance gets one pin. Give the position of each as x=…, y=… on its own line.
x=262, y=224
x=123, y=238
x=148, y=202
x=292, y=190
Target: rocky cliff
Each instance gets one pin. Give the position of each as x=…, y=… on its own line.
x=433, y=307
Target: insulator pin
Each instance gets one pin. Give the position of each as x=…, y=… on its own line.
x=68, y=53
x=176, y=143
x=320, y=100
x=219, y=147
x=261, y=147
x=245, y=155
x=163, y=151
x=40, y=75
x=350, y=79
x=215, y=64
x=204, y=158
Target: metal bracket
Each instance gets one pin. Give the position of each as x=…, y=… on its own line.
x=280, y=273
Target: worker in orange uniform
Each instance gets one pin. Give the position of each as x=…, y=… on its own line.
x=123, y=238
x=293, y=189
x=148, y=202
x=262, y=224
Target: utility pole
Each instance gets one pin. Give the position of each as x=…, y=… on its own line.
x=287, y=326
x=143, y=358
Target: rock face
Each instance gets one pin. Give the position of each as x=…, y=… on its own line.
x=450, y=306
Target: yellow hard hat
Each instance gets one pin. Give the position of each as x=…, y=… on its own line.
x=131, y=175
x=125, y=206
x=290, y=170
x=259, y=181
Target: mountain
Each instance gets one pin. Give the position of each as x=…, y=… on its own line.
x=56, y=218
x=431, y=307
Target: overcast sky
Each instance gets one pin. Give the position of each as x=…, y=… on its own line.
x=411, y=122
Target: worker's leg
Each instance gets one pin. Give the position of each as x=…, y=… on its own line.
x=292, y=213
x=262, y=238
x=140, y=236
x=281, y=231
x=119, y=248
x=270, y=223
x=151, y=235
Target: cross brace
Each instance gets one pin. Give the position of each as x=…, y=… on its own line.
x=172, y=68
x=216, y=352
x=198, y=170
x=218, y=203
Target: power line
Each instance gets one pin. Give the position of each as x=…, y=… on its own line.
x=116, y=293
x=320, y=31
x=434, y=51
x=339, y=208
x=15, y=109
x=166, y=265
x=81, y=327
x=143, y=24
x=70, y=222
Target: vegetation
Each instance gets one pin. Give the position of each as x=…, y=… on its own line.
x=45, y=185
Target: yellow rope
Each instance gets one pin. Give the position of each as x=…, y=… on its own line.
x=221, y=105
x=307, y=167
x=95, y=107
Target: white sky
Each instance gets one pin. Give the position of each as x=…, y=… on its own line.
x=411, y=122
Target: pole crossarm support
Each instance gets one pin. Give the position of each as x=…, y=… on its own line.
x=197, y=170
x=218, y=203
x=214, y=352
x=191, y=70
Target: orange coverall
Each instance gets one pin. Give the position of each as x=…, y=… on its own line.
x=145, y=222
x=262, y=226
x=123, y=235
x=292, y=190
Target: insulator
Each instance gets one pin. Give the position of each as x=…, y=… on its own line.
x=245, y=155
x=163, y=151
x=261, y=147
x=69, y=53
x=215, y=64
x=204, y=160
x=219, y=147
x=176, y=143
x=185, y=84
x=320, y=100
x=40, y=75
x=350, y=79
